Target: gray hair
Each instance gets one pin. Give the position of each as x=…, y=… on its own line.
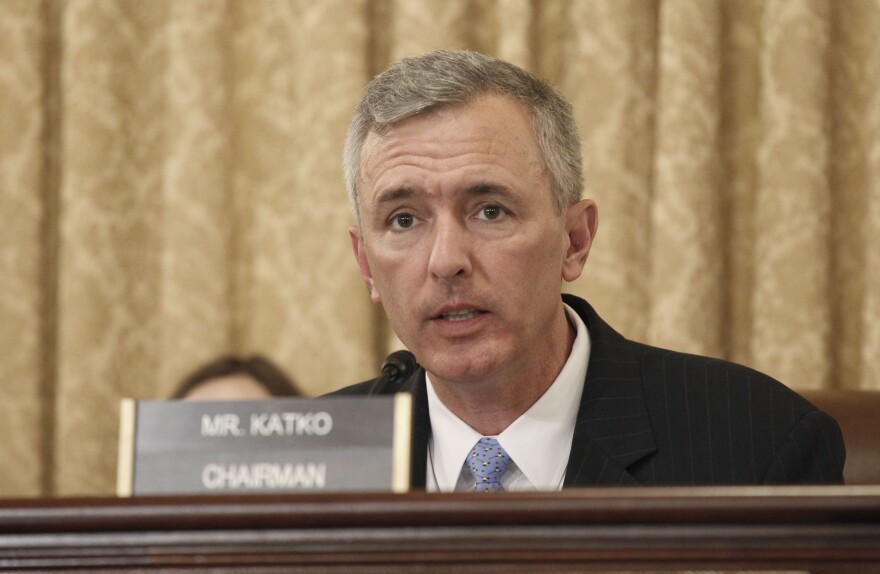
x=416, y=85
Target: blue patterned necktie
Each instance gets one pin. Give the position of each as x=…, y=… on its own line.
x=488, y=462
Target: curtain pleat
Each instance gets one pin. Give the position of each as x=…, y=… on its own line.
x=612, y=45
x=514, y=20
x=311, y=71
x=23, y=145
x=739, y=137
x=195, y=220
x=791, y=305
x=422, y=25
x=171, y=191
x=110, y=228
x=687, y=230
x=867, y=316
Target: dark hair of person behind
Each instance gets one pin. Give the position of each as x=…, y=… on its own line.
x=259, y=368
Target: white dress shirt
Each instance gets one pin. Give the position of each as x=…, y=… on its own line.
x=539, y=441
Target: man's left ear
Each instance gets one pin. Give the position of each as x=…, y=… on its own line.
x=581, y=223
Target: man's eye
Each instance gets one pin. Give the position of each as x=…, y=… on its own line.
x=491, y=212
x=402, y=221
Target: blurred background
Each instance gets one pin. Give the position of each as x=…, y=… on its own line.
x=171, y=190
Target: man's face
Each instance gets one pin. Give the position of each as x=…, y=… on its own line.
x=461, y=242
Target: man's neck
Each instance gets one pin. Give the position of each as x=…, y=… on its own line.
x=489, y=406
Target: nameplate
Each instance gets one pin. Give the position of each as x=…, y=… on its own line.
x=337, y=444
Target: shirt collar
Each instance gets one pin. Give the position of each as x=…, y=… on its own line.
x=539, y=441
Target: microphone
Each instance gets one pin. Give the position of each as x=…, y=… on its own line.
x=397, y=367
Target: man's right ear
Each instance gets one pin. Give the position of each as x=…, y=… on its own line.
x=360, y=253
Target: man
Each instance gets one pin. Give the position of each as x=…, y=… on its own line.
x=464, y=173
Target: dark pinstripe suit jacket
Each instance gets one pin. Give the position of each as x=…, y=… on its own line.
x=649, y=416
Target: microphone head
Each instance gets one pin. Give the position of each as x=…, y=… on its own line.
x=399, y=364
x=396, y=368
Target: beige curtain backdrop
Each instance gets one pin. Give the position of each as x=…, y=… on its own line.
x=170, y=190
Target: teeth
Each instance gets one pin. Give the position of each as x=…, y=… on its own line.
x=459, y=315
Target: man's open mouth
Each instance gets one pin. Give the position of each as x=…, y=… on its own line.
x=461, y=315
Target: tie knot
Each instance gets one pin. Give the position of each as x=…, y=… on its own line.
x=488, y=462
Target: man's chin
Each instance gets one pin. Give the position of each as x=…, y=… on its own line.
x=460, y=368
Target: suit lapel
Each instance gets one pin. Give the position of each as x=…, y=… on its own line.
x=612, y=430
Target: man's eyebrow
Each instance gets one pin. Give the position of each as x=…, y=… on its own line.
x=394, y=194
x=491, y=189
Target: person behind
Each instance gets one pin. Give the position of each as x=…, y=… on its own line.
x=232, y=378
x=464, y=174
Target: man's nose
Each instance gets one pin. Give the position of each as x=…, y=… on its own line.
x=450, y=250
